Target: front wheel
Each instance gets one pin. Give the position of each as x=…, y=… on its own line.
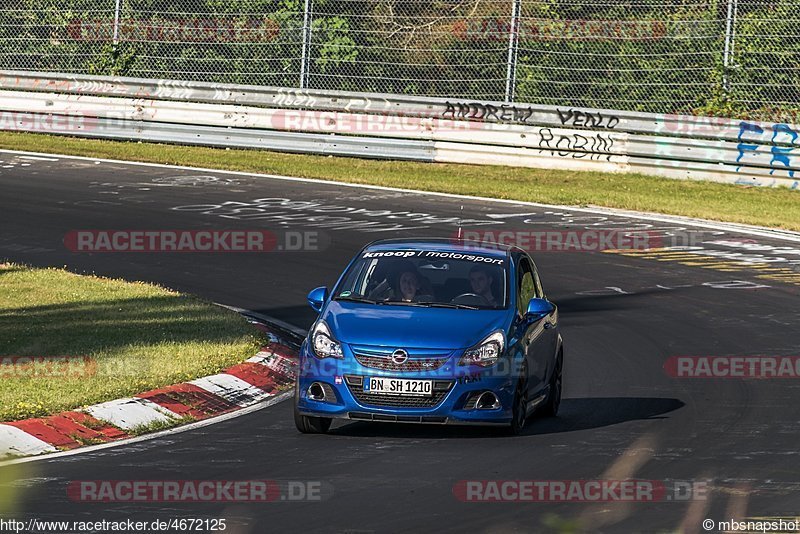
x=310, y=425
x=553, y=402
x=519, y=415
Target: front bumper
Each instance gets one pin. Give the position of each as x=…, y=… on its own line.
x=456, y=389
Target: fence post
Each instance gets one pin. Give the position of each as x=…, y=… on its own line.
x=730, y=41
x=513, y=42
x=116, y=21
x=305, y=63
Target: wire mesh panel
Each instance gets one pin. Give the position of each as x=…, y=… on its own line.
x=409, y=46
x=738, y=58
x=41, y=35
x=641, y=55
x=765, y=67
x=236, y=41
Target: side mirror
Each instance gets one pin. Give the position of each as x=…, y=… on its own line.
x=317, y=297
x=539, y=307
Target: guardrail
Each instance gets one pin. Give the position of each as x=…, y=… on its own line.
x=401, y=127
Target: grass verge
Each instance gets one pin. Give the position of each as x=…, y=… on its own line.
x=121, y=338
x=778, y=208
x=158, y=426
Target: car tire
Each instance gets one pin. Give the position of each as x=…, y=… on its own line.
x=553, y=401
x=311, y=425
x=518, y=411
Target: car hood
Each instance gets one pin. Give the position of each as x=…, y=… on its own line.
x=409, y=326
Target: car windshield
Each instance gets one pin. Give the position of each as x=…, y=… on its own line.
x=427, y=278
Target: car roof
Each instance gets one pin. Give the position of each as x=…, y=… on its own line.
x=443, y=245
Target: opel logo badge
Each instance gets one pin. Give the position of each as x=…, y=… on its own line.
x=399, y=357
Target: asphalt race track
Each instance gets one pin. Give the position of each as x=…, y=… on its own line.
x=622, y=316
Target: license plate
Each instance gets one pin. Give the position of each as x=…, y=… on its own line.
x=398, y=386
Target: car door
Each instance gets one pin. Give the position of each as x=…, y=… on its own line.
x=549, y=338
x=538, y=337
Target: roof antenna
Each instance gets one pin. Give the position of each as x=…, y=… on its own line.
x=460, y=216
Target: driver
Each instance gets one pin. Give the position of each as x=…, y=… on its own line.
x=481, y=279
x=408, y=286
x=403, y=284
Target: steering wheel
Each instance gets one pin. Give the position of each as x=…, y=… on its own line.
x=470, y=298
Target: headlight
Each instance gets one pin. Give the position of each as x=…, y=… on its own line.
x=485, y=353
x=322, y=342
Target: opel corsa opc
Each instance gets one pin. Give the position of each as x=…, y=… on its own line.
x=431, y=331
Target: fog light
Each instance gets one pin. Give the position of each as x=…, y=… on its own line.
x=316, y=392
x=487, y=401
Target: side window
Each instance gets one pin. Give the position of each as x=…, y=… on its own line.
x=525, y=285
x=539, y=290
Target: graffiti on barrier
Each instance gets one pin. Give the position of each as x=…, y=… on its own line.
x=174, y=89
x=587, y=119
x=781, y=134
x=294, y=97
x=575, y=145
x=480, y=111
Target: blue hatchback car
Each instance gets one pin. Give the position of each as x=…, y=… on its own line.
x=431, y=331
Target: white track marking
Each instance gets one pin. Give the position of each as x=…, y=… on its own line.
x=784, y=235
x=131, y=413
x=266, y=400
x=14, y=441
x=36, y=158
x=231, y=388
x=169, y=432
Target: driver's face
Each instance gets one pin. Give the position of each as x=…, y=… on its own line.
x=408, y=285
x=480, y=282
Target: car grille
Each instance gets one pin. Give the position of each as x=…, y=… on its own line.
x=365, y=398
x=381, y=358
x=386, y=364
x=472, y=401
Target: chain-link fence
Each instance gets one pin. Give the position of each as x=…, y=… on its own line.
x=727, y=57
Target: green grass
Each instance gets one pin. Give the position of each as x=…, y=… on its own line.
x=136, y=337
x=158, y=426
x=743, y=204
x=86, y=442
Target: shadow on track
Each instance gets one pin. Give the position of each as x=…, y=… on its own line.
x=300, y=316
x=576, y=304
x=575, y=414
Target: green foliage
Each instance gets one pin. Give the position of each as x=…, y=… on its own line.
x=720, y=104
x=336, y=46
x=765, y=74
x=640, y=55
x=113, y=60
x=646, y=58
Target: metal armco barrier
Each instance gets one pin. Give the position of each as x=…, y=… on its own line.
x=401, y=127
